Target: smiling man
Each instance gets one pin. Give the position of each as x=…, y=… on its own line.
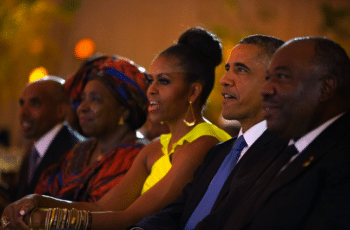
x=43, y=109
x=306, y=100
x=246, y=71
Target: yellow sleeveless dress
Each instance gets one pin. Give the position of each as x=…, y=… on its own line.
x=162, y=166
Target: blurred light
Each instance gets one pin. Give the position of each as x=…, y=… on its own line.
x=37, y=73
x=36, y=46
x=54, y=78
x=142, y=70
x=84, y=48
x=227, y=50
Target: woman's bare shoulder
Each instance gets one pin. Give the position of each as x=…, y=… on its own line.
x=195, y=150
x=155, y=143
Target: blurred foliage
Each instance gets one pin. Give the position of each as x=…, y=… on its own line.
x=27, y=41
x=335, y=23
x=336, y=20
x=27, y=38
x=228, y=40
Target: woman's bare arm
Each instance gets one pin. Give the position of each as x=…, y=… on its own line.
x=187, y=158
x=118, y=198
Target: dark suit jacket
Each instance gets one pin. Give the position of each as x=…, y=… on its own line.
x=313, y=192
x=64, y=141
x=176, y=215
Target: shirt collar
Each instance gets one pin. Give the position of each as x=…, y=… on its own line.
x=305, y=140
x=44, y=142
x=252, y=134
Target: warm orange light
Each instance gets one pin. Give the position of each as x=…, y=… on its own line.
x=84, y=48
x=36, y=46
x=37, y=73
x=227, y=50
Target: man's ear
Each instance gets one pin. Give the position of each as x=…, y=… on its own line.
x=329, y=86
x=195, y=91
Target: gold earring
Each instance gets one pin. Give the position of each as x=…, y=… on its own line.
x=121, y=121
x=189, y=124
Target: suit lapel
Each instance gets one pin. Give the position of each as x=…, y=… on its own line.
x=308, y=158
x=249, y=169
x=258, y=157
x=216, y=162
x=59, y=146
x=204, y=175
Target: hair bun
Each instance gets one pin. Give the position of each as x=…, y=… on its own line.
x=204, y=42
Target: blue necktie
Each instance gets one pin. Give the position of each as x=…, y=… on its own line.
x=33, y=160
x=206, y=204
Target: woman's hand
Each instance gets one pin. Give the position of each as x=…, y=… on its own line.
x=13, y=215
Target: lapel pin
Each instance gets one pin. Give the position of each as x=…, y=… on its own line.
x=306, y=163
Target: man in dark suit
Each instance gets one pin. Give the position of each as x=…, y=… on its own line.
x=246, y=71
x=307, y=101
x=43, y=109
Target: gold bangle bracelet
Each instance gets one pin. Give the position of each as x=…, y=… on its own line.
x=78, y=220
x=64, y=218
x=52, y=217
x=74, y=218
x=81, y=219
x=54, y=225
x=47, y=220
x=86, y=220
x=56, y=219
x=69, y=217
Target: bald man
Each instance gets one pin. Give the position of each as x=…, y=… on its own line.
x=306, y=101
x=43, y=110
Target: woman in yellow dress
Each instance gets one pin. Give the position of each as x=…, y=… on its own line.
x=180, y=81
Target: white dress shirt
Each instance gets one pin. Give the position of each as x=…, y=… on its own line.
x=251, y=135
x=45, y=141
x=306, y=140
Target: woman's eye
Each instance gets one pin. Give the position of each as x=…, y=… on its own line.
x=164, y=81
x=95, y=98
x=149, y=81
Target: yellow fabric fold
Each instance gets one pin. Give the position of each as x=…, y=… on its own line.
x=162, y=166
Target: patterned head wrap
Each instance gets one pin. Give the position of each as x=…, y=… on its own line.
x=125, y=79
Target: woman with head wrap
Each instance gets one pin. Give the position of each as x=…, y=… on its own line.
x=181, y=80
x=111, y=105
x=91, y=64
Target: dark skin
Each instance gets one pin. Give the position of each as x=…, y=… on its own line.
x=297, y=96
x=42, y=106
x=124, y=205
x=99, y=113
